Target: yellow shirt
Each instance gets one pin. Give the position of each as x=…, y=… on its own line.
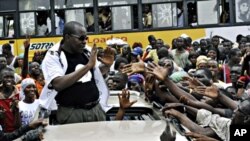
x=153, y=54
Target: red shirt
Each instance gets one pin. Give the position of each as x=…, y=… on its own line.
x=8, y=118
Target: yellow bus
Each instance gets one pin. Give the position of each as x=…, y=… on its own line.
x=130, y=20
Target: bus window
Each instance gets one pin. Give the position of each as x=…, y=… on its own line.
x=207, y=12
x=147, y=16
x=242, y=10
x=37, y=20
x=117, y=15
x=1, y=26
x=7, y=26
x=165, y=15
x=192, y=13
x=224, y=11
x=75, y=15
x=157, y=15
x=105, y=21
x=80, y=11
x=121, y=18
x=27, y=23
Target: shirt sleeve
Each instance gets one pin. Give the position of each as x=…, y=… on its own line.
x=52, y=66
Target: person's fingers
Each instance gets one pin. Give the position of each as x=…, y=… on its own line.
x=201, y=87
x=133, y=102
x=123, y=93
x=126, y=70
x=100, y=59
x=150, y=69
x=127, y=66
x=150, y=65
x=150, y=72
x=154, y=64
x=152, y=79
x=128, y=93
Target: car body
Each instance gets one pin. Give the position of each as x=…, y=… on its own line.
x=142, y=122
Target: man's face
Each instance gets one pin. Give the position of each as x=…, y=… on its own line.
x=110, y=83
x=212, y=54
x=213, y=67
x=200, y=75
x=153, y=42
x=215, y=41
x=237, y=57
x=3, y=62
x=235, y=73
x=126, y=50
x=193, y=59
x=196, y=45
x=34, y=68
x=227, y=47
x=77, y=41
x=159, y=44
x=8, y=79
x=180, y=42
x=118, y=83
x=5, y=50
x=203, y=45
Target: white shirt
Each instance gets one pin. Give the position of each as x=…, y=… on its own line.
x=52, y=68
x=27, y=111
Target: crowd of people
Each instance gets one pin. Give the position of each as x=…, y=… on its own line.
x=204, y=84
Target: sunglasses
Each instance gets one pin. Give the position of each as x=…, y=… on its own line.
x=81, y=38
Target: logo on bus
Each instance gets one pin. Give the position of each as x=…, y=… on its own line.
x=41, y=46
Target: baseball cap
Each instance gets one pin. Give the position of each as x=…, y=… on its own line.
x=137, y=51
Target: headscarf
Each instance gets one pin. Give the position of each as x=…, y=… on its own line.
x=25, y=82
x=201, y=59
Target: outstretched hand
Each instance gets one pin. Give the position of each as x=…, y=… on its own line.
x=159, y=72
x=193, y=82
x=108, y=56
x=124, y=99
x=211, y=91
x=134, y=68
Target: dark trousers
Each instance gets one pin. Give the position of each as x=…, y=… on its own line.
x=72, y=115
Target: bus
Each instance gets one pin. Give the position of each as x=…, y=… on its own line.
x=129, y=20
